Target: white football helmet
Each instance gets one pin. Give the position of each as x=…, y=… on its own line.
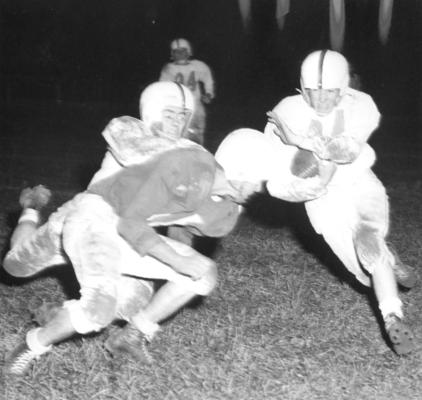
x=324, y=77
x=166, y=108
x=245, y=154
x=248, y=160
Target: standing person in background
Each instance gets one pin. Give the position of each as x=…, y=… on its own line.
x=322, y=136
x=197, y=76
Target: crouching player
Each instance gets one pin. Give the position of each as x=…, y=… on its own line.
x=148, y=177
x=107, y=234
x=321, y=135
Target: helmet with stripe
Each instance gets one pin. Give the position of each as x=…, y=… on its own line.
x=325, y=69
x=166, y=108
x=324, y=77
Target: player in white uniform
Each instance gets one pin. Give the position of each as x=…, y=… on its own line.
x=197, y=76
x=321, y=135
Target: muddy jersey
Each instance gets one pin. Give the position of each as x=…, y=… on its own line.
x=172, y=186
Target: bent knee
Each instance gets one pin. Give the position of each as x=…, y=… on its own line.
x=16, y=268
x=369, y=246
x=208, y=281
x=99, y=307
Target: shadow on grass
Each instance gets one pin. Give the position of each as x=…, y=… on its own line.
x=276, y=213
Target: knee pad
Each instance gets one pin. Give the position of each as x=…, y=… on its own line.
x=93, y=312
x=134, y=295
x=368, y=244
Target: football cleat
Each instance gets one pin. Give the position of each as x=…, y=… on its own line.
x=131, y=341
x=36, y=197
x=19, y=360
x=45, y=312
x=400, y=335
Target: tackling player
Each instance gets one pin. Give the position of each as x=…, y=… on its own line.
x=321, y=135
x=149, y=177
x=197, y=76
x=107, y=234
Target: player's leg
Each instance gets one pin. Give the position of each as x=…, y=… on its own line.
x=165, y=302
x=95, y=259
x=369, y=238
x=375, y=257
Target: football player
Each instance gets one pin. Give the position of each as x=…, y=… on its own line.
x=149, y=177
x=197, y=76
x=321, y=135
x=166, y=110
x=107, y=234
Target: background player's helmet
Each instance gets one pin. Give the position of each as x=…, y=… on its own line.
x=246, y=155
x=324, y=77
x=178, y=44
x=167, y=108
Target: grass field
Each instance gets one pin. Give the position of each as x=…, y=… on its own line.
x=286, y=321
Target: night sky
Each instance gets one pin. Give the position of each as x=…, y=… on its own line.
x=108, y=50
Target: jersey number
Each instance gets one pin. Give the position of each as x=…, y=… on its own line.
x=190, y=82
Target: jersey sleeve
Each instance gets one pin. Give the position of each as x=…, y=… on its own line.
x=362, y=116
x=294, y=112
x=206, y=77
x=138, y=234
x=166, y=73
x=109, y=166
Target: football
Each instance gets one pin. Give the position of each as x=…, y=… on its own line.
x=304, y=164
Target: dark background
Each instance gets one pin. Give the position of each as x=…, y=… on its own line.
x=103, y=52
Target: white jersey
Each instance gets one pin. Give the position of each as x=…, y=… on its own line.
x=354, y=194
x=356, y=117
x=192, y=74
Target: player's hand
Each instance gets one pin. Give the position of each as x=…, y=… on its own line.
x=206, y=98
x=307, y=189
x=194, y=265
x=282, y=130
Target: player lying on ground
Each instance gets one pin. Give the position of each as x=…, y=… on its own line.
x=321, y=135
x=197, y=76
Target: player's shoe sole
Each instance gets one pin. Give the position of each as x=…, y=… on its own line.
x=400, y=335
x=19, y=360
